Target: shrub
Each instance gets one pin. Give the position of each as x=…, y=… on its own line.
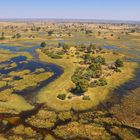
x=55, y=56
x=117, y=70
x=50, y=33
x=86, y=98
x=77, y=75
x=87, y=58
x=94, y=84
x=102, y=82
x=60, y=53
x=66, y=47
x=52, y=55
x=97, y=74
x=95, y=66
x=99, y=59
x=82, y=86
x=61, y=96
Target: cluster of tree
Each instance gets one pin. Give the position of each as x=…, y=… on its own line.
x=16, y=36
x=34, y=28
x=82, y=76
x=91, y=48
x=100, y=82
x=65, y=47
x=81, y=84
x=88, y=59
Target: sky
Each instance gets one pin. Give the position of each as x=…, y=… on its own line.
x=71, y=9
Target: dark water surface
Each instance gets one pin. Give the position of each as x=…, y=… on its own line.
x=24, y=64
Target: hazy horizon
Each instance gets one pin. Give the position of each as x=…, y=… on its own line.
x=126, y=10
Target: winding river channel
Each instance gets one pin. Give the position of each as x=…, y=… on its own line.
x=31, y=65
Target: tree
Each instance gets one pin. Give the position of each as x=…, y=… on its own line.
x=88, y=31
x=61, y=96
x=102, y=82
x=94, y=84
x=99, y=33
x=50, y=33
x=91, y=48
x=66, y=47
x=82, y=86
x=2, y=36
x=18, y=35
x=95, y=66
x=87, y=58
x=43, y=44
x=119, y=63
x=59, y=44
x=99, y=59
x=133, y=31
x=77, y=75
x=97, y=74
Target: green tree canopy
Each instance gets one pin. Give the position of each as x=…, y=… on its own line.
x=43, y=44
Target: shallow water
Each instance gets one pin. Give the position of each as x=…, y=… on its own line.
x=128, y=51
x=23, y=64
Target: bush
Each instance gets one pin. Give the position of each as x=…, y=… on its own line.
x=119, y=63
x=66, y=47
x=55, y=56
x=102, y=82
x=82, y=86
x=117, y=70
x=97, y=74
x=86, y=98
x=94, y=84
x=60, y=53
x=99, y=59
x=43, y=44
x=61, y=96
x=52, y=55
x=95, y=66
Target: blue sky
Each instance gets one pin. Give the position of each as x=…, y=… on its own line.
x=81, y=9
